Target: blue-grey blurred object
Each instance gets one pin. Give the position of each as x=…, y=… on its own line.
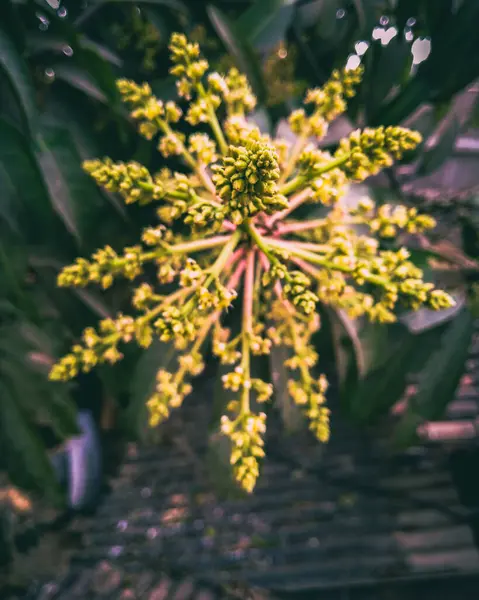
x=79, y=464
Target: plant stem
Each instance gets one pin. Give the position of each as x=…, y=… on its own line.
x=226, y=252
x=163, y=125
x=299, y=226
x=298, y=146
x=293, y=185
x=297, y=182
x=213, y=120
x=331, y=266
x=259, y=241
x=212, y=319
x=198, y=245
x=290, y=244
x=294, y=202
x=247, y=330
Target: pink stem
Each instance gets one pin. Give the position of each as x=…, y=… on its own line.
x=264, y=262
x=248, y=292
x=294, y=202
x=235, y=278
x=278, y=288
x=296, y=244
x=305, y=266
x=229, y=226
x=234, y=257
x=206, y=179
x=298, y=226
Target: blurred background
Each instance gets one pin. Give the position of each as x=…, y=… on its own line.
x=59, y=60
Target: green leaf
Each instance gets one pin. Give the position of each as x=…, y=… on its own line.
x=16, y=70
x=290, y=412
x=405, y=9
x=61, y=413
x=58, y=188
x=262, y=15
x=240, y=48
x=27, y=462
x=158, y=356
x=174, y=4
x=367, y=14
x=436, y=13
x=74, y=195
x=389, y=63
x=434, y=157
x=8, y=196
x=81, y=81
x=438, y=380
x=266, y=23
x=345, y=359
x=101, y=50
x=34, y=204
x=358, y=347
x=37, y=43
x=384, y=386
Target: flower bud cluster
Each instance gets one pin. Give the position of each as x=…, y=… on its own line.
x=311, y=396
x=152, y=114
x=389, y=220
x=237, y=93
x=306, y=391
x=246, y=435
x=169, y=394
x=105, y=265
x=224, y=348
x=246, y=180
x=329, y=102
x=188, y=67
x=296, y=289
x=203, y=147
x=368, y=151
x=131, y=180
x=98, y=347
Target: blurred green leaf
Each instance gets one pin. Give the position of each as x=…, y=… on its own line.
x=436, y=13
x=81, y=81
x=438, y=380
x=61, y=414
x=28, y=464
x=290, y=412
x=240, y=48
x=384, y=386
x=366, y=11
x=175, y=4
x=266, y=22
x=73, y=193
x=34, y=202
x=37, y=43
x=389, y=63
x=143, y=382
x=259, y=17
x=406, y=9
x=16, y=70
x=434, y=157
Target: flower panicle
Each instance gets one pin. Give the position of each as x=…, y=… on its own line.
x=229, y=239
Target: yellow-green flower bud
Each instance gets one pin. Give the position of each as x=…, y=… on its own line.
x=246, y=180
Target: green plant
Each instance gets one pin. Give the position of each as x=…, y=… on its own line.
x=235, y=213
x=59, y=105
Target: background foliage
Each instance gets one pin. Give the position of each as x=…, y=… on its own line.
x=59, y=105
